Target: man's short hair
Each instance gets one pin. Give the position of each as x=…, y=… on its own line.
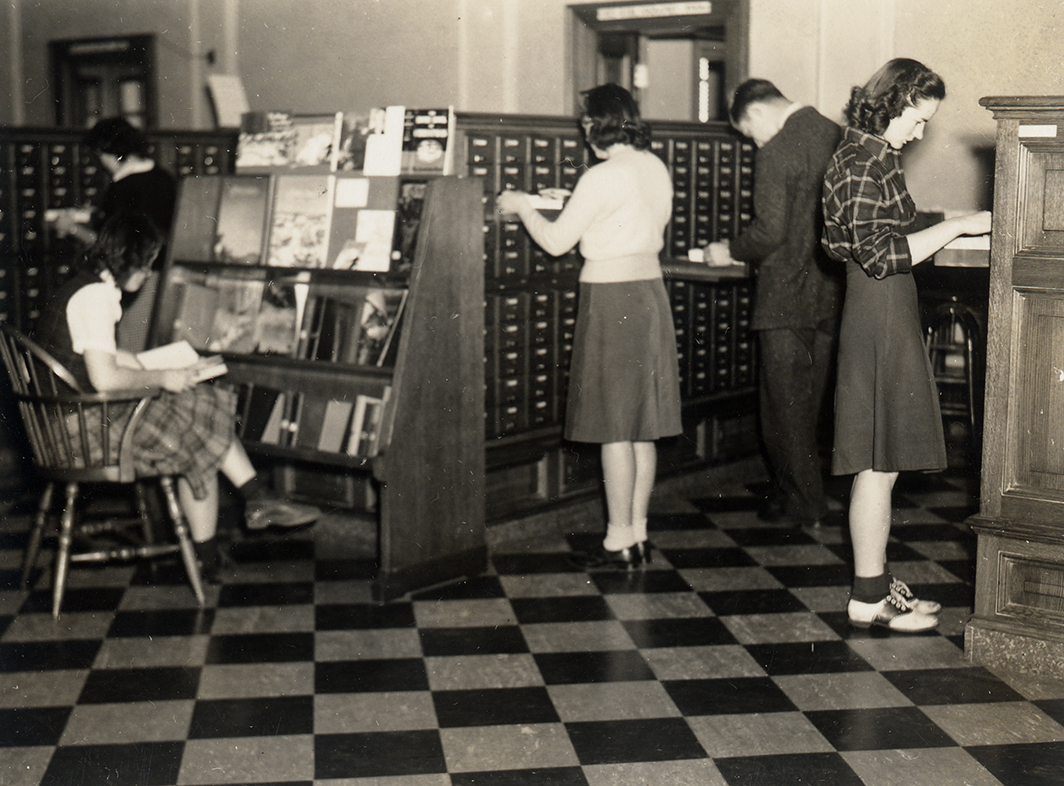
x=753, y=91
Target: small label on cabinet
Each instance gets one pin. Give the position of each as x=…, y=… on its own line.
x=1048, y=131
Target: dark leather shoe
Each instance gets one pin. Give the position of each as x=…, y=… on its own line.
x=771, y=510
x=624, y=559
x=643, y=550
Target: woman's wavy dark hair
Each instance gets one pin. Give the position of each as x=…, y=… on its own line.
x=117, y=136
x=614, y=118
x=128, y=242
x=895, y=86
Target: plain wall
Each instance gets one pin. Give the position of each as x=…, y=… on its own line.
x=307, y=57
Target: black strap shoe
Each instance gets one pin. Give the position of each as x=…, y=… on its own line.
x=624, y=559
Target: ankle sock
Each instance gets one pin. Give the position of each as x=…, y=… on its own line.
x=207, y=554
x=254, y=489
x=871, y=589
x=639, y=530
x=618, y=538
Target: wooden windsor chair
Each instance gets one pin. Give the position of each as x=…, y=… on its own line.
x=77, y=438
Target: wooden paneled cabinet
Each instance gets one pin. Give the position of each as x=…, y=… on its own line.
x=1019, y=605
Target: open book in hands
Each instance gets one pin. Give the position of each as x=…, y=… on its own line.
x=181, y=354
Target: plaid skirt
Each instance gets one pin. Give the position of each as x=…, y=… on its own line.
x=184, y=434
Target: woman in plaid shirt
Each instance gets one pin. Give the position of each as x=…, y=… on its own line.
x=886, y=404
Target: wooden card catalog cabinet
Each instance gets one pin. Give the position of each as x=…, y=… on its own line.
x=1019, y=603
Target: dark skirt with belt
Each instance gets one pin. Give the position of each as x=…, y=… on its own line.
x=887, y=414
x=624, y=382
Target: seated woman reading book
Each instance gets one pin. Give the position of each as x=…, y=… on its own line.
x=188, y=429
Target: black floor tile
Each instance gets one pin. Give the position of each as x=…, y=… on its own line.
x=708, y=558
x=171, y=622
x=108, y=686
x=962, y=569
x=1025, y=764
x=261, y=648
x=363, y=676
x=569, y=608
x=11, y=579
x=531, y=564
x=775, y=535
x=266, y=717
x=290, y=547
x=75, y=599
x=48, y=655
x=821, y=657
x=1054, y=708
x=812, y=575
x=951, y=686
x=796, y=769
x=683, y=522
x=497, y=707
x=143, y=763
x=569, y=668
x=679, y=632
x=436, y=642
x=726, y=504
x=378, y=754
x=31, y=726
x=546, y=776
x=740, y=695
x=363, y=616
x=613, y=742
x=882, y=728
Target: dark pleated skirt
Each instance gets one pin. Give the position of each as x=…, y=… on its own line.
x=624, y=380
x=887, y=414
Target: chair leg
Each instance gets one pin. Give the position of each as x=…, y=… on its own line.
x=34, y=547
x=62, y=554
x=188, y=552
x=147, y=531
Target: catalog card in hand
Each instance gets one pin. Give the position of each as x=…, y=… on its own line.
x=180, y=354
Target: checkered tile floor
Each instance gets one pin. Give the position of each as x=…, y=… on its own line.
x=729, y=661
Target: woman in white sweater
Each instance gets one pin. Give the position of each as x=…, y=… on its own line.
x=624, y=390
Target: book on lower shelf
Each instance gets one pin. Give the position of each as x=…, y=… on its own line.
x=277, y=324
x=255, y=405
x=363, y=439
x=354, y=325
x=234, y=326
x=336, y=421
x=310, y=421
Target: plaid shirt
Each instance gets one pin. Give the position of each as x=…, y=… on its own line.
x=867, y=207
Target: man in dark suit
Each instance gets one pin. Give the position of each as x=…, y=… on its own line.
x=798, y=291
